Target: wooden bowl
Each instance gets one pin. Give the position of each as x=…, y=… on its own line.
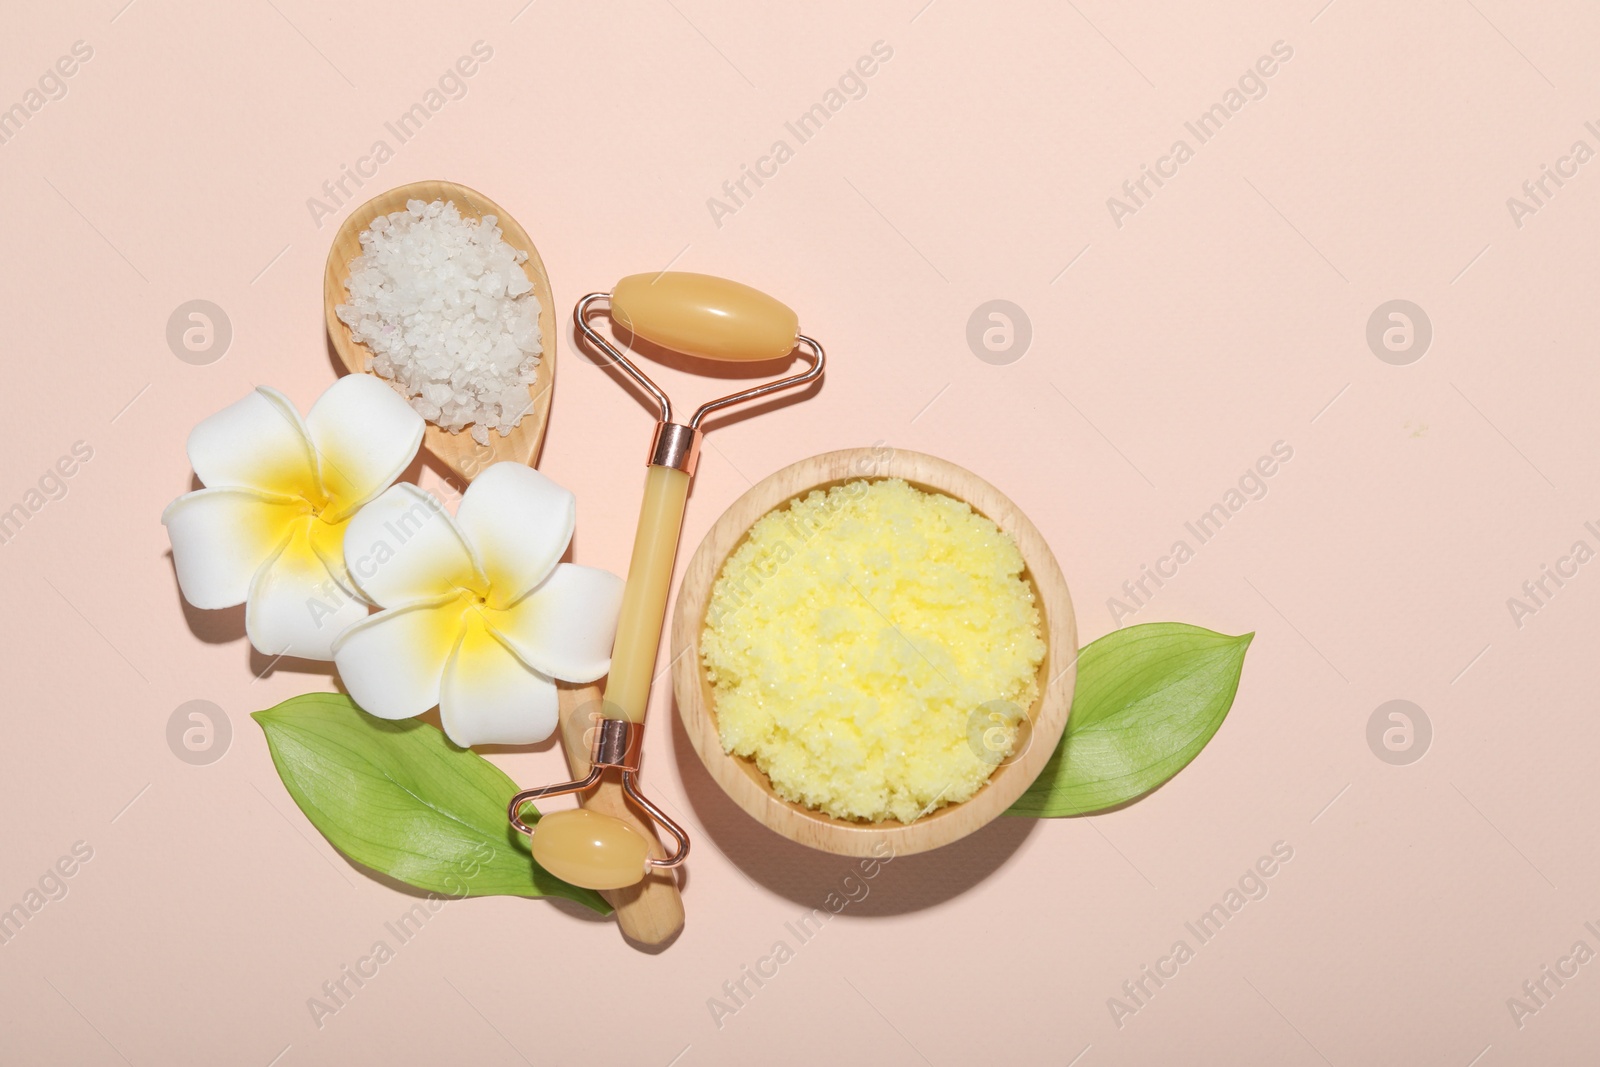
x=457, y=451
x=743, y=781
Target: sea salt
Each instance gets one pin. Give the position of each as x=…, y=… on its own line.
x=449, y=315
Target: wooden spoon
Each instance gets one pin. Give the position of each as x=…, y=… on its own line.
x=457, y=451
x=650, y=913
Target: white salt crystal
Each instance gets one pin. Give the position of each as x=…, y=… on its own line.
x=449, y=314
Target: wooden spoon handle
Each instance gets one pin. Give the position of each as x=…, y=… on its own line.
x=650, y=912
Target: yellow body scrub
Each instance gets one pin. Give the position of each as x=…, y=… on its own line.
x=853, y=636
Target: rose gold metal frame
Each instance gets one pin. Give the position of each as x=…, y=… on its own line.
x=676, y=445
x=616, y=744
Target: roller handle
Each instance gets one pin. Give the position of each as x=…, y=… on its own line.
x=644, y=596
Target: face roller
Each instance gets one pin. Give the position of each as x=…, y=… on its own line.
x=697, y=315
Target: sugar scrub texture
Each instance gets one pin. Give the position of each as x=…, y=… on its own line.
x=852, y=635
x=449, y=315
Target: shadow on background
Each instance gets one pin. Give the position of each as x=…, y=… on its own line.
x=225, y=626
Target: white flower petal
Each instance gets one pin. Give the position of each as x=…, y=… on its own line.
x=221, y=537
x=565, y=627
x=327, y=541
x=364, y=434
x=520, y=523
x=393, y=661
x=296, y=607
x=258, y=443
x=490, y=697
x=404, y=548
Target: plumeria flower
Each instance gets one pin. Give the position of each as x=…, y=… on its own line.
x=267, y=531
x=479, y=615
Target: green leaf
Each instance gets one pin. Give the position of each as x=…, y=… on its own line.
x=1148, y=698
x=399, y=798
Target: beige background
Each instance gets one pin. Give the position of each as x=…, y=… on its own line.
x=1226, y=314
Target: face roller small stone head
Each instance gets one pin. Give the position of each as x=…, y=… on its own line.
x=697, y=315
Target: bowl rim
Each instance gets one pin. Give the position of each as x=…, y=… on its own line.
x=745, y=783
